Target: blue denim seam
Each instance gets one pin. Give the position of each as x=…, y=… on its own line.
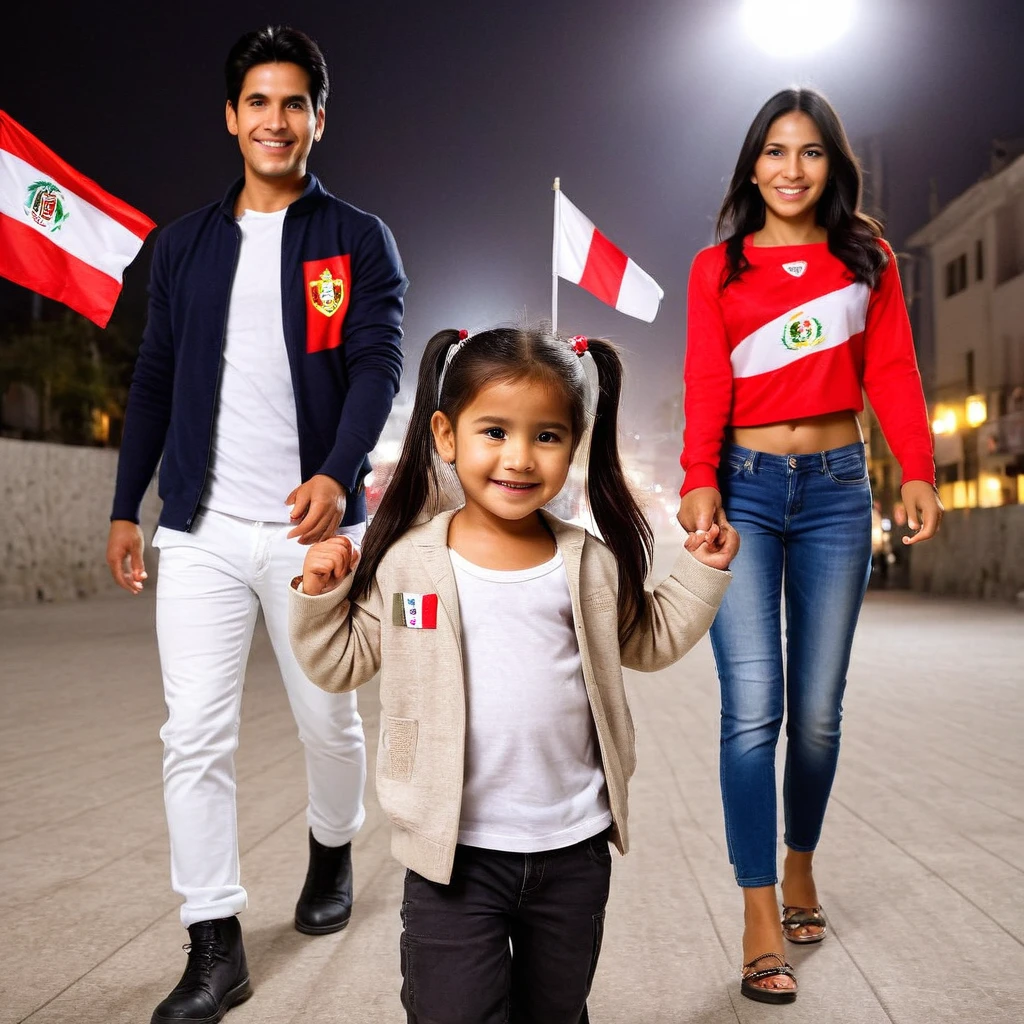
x=801, y=849
x=757, y=883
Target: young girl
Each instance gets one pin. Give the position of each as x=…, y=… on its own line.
x=499, y=631
x=790, y=317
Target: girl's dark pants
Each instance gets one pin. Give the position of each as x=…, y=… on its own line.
x=514, y=937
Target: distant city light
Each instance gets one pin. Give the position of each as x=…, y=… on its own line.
x=788, y=33
x=945, y=421
x=977, y=410
x=387, y=450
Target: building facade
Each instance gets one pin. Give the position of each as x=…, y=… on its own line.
x=971, y=321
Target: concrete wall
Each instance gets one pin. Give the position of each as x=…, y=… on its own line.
x=979, y=552
x=55, y=508
x=54, y=517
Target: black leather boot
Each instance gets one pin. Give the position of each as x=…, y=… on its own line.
x=215, y=979
x=325, y=903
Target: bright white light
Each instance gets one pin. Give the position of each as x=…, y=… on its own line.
x=387, y=450
x=791, y=32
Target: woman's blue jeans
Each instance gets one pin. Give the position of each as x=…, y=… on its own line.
x=805, y=528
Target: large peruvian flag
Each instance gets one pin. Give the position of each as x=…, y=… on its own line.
x=60, y=234
x=584, y=256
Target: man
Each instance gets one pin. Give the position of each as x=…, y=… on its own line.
x=267, y=369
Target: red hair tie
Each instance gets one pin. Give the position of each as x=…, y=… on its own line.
x=578, y=343
x=463, y=334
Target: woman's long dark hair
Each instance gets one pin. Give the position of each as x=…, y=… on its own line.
x=853, y=236
x=512, y=354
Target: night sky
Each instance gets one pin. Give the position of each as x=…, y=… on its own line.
x=450, y=120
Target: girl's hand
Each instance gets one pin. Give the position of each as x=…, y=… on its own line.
x=326, y=564
x=715, y=547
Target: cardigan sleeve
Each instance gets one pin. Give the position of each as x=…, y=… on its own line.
x=677, y=613
x=336, y=641
x=892, y=380
x=707, y=373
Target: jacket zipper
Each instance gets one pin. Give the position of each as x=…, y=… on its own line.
x=216, y=387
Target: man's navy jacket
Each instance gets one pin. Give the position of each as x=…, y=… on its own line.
x=342, y=288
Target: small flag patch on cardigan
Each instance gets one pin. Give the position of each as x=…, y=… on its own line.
x=415, y=611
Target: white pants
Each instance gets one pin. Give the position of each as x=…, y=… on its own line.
x=210, y=585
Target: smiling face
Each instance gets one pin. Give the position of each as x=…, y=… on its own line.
x=792, y=170
x=512, y=446
x=275, y=122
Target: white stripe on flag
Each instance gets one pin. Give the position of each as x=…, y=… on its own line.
x=639, y=295
x=88, y=233
x=574, y=245
x=842, y=314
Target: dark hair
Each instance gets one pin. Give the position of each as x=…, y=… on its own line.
x=512, y=354
x=853, y=236
x=276, y=44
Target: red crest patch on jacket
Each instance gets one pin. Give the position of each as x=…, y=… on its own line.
x=328, y=283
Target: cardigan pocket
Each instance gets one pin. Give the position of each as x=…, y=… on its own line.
x=398, y=746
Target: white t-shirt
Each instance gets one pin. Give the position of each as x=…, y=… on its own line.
x=255, y=463
x=533, y=776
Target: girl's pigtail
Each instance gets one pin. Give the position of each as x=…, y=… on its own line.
x=619, y=518
x=413, y=482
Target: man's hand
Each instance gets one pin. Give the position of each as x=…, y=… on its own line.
x=124, y=555
x=326, y=564
x=318, y=506
x=924, y=510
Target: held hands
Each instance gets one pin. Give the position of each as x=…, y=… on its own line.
x=327, y=564
x=318, y=506
x=924, y=510
x=716, y=547
x=124, y=555
x=710, y=538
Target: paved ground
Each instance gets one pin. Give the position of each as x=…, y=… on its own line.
x=921, y=866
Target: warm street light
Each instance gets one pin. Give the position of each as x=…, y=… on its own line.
x=790, y=34
x=976, y=410
x=945, y=421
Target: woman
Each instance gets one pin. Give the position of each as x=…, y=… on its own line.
x=791, y=317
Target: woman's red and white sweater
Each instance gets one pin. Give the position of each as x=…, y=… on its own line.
x=795, y=336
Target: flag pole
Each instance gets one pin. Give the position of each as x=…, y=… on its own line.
x=556, y=188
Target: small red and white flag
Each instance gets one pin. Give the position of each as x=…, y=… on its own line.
x=584, y=256
x=415, y=611
x=61, y=235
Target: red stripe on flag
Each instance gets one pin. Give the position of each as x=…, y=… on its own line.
x=602, y=275
x=430, y=611
x=29, y=258
x=15, y=139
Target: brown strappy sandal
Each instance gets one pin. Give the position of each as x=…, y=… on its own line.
x=803, y=917
x=767, y=995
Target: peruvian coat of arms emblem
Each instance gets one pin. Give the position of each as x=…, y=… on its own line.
x=327, y=293
x=46, y=206
x=802, y=332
